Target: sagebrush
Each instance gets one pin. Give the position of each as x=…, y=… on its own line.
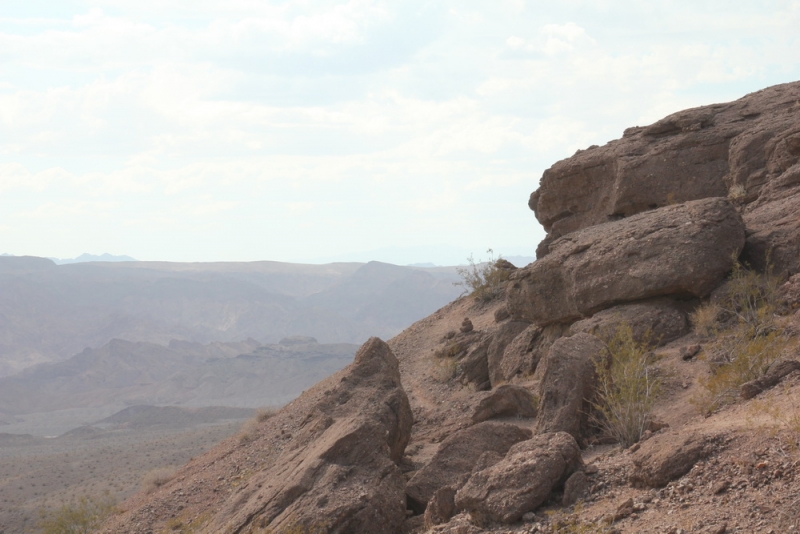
x=484, y=280
x=80, y=516
x=745, y=336
x=627, y=387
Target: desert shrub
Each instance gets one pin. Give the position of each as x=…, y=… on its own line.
x=627, y=387
x=249, y=430
x=483, y=280
x=704, y=319
x=443, y=369
x=155, y=478
x=81, y=516
x=267, y=412
x=747, y=338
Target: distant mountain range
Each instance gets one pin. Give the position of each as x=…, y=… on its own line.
x=51, y=312
x=120, y=374
x=83, y=258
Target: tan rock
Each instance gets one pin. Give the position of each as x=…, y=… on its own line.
x=522, y=481
x=658, y=321
x=682, y=250
x=457, y=456
x=568, y=383
x=339, y=474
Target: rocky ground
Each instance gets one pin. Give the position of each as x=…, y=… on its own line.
x=478, y=418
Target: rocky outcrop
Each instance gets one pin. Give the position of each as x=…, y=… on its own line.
x=520, y=482
x=522, y=355
x=568, y=384
x=507, y=400
x=339, y=474
x=474, y=366
x=669, y=456
x=683, y=250
x=741, y=147
x=457, y=456
x=657, y=321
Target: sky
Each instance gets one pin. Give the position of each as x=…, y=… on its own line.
x=313, y=131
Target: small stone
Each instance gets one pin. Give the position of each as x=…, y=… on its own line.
x=529, y=517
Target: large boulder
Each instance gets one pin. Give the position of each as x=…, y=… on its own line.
x=339, y=474
x=568, y=384
x=683, y=250
x=667, y=457
x=520, y=482
x=657, y=321
x=458, y=455
x=773, y=234
x=739, y=148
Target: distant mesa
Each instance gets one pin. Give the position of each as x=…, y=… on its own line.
x=297, y=340
x=86, y=258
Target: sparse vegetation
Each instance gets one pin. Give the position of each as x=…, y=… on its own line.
x=627, y=387
x=152, y=480
x=746, y=338
x=250, y=427
x=81, y=516
x=483, y=279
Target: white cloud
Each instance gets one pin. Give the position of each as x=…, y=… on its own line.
x=341, y=120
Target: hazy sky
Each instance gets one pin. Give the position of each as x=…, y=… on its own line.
x=404, y=131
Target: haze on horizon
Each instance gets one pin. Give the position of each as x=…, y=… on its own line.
x=311, y=131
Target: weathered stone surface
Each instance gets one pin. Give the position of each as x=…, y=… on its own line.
x=457, y=456
x=667, y=457
x=522, y=355
x=506, y=400
x=745, y=146
x=502, y=337
x=575, y=488
x=568, y=383
x=773, y=233
x=474, y=366
x=791, y=292
x=339, y=474
x=776, y=373
x=683, y=250
x=661, y=319
x=522, y=481
x=441, y=507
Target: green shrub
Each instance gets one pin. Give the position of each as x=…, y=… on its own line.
x=627, y=387
x=483, y=280
x=80, y=516
x=747, y=338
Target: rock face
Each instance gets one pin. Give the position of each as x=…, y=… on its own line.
x=457, y=456
x=475, y=367
x=340, y=473
x=522, y=481
x=748, y=150
x=693, y=154
x=567, y=386
x=660, y=319
x=667, y=457
x=507, y=400
x=523, y=354
x=684, y=250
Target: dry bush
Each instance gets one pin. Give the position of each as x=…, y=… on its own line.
x=80, y=516
x=627, y=387
x=443, y=369
x=249, y=430
x=705, y=319
x=483, y=280
x=155, y=478
x=747, y=338
x=267, y=412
